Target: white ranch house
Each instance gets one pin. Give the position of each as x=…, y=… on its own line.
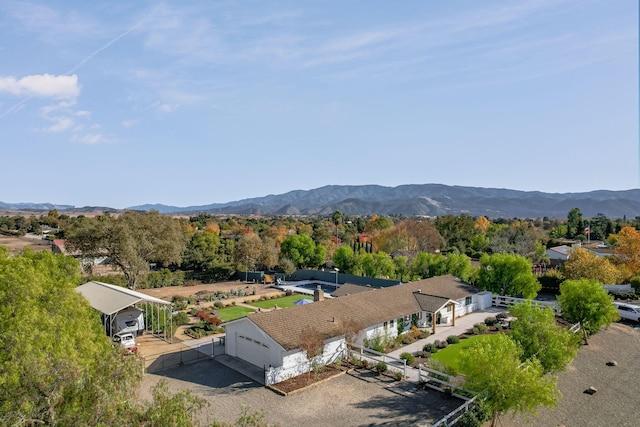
x=272, y=340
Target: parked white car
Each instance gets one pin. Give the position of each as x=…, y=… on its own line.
x=126, y=340
x=628, y=311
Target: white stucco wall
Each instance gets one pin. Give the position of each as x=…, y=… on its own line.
x=295, y=362
x=244, y=327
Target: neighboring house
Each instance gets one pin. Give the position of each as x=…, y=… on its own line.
x=273, y=340
x=560, y=254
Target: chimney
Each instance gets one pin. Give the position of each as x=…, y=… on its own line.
x=318, y=294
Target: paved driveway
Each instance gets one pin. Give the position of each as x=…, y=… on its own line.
x=342, y=401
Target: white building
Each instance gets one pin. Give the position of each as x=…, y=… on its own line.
x=273, y=340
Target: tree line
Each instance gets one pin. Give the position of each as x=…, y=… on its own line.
x=212, y=248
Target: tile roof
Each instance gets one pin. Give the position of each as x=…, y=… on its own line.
x=330, y=317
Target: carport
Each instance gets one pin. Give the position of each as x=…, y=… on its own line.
x=110, y=300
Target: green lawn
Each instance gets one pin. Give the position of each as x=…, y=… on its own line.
x=228, y=314
x=451, y=354
x=282, y=302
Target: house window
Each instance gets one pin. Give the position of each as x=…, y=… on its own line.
x=391, y=323
x=385, y=325
x=448, y=309
x=468, y=300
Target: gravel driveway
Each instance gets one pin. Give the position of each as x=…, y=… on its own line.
x=341, y=401
x=617, y=400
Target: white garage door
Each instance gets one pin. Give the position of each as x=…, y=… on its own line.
x=253, y=351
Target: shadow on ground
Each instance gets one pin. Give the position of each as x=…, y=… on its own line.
x=209, y=373
x=405, y=404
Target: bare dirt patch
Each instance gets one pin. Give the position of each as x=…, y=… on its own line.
x=19, y=243
x=167, y=293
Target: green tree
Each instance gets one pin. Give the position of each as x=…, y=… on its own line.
x=493, y=368
x=57, y=366
x=457, y=231
x=56, y=363
x=575, y=224
x=132, y=241
x=538, y=334
x=302, y=250
x=507, y=274
x=343, y=258
x=588, y=303
x=202, y=251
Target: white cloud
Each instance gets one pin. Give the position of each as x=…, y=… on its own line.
x=42, y=85
x=60, y=124
x=91, y=139
x=129, y=123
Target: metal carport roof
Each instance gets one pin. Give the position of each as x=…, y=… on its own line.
x=110, y=299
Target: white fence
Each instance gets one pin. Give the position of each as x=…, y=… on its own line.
x=375, y=356
x=506, y=302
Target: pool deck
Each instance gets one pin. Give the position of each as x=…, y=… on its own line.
x=296, y=287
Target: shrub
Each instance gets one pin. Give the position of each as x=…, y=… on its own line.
x=424, y=334
x=381, y=367
x=398, y=375
x=482, y=328
x=415, y=332
x=499, y=327
x=410, y=358
x=218, y=304
x=502, y=316
x=453, y=339
x=430, y=348
x=441, y=344
x=180, y=318
x=408, y=339
x=490, y=321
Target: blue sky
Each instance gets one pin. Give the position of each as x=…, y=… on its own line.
x=119, y=103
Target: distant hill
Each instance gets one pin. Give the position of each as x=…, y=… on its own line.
x=424, y=199
x=34, y=206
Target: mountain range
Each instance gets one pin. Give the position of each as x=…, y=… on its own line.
x=426, y=200
x=413, y=199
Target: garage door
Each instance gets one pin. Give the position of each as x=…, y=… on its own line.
x=253, y=351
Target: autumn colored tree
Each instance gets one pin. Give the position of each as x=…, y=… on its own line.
x=583, y=264
x=482, y=225
x=409, y=236
x=627, y=250
x=248, y=250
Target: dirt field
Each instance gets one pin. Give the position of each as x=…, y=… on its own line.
x=167, y=293
x=17, y=244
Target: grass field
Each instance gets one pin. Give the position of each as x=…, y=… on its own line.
x=228, y=314
x=451, y=355
x=282, y=302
